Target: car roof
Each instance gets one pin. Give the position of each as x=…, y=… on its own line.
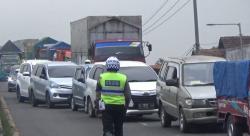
x=34, y=62
x=127, y=63
x=60, y=63
x=195, y=59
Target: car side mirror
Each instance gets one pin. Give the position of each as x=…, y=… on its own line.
x=149, y=47
x=172, y=82
x=26, y=73
x=82, y=80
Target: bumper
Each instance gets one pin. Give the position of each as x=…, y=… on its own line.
x=60, y=95
x=140, y=112
x=201, y=115
x=12, y=85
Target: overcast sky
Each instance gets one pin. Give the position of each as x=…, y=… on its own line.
x=21, y=19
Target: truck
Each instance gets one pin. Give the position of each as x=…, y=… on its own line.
x=97, y=37
x=231, y=79
x=6, y=61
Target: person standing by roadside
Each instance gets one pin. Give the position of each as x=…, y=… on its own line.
x=113, y=97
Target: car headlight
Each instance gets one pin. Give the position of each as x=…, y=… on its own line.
x=10, y=79
x=196, y=103
x=54, y=85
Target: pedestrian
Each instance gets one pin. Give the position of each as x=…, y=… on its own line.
x=113, y=96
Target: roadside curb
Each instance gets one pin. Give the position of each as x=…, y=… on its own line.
x=9, y=117
x=1, y=128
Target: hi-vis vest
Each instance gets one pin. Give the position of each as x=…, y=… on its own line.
x=113, y=85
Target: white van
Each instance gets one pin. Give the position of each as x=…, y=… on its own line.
x=142, y=81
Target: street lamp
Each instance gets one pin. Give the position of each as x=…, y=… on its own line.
x=240, y=34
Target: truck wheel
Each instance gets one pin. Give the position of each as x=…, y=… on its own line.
x=182, y=121
x=91, y=110
x=73, y=105
x=165, y=118
x=19, y=97
x=33, y=100
x=48, y=101
x=233, y=129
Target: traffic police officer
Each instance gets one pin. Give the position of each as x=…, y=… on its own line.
x=113, y=94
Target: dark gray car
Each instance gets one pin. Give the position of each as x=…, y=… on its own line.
x=79, y=87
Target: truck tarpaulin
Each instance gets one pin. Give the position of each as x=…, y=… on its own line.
x=231, y=79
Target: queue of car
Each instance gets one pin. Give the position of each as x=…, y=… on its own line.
x=183, y=89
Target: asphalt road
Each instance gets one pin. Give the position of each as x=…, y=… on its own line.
x=61, y=121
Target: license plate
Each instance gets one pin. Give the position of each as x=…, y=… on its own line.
x=144, y=106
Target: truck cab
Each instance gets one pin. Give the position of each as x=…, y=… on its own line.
x=123, y=50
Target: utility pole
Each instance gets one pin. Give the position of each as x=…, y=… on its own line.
x=196, y=26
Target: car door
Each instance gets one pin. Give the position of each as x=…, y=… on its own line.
x=172, y=91
x=20, y=78
x=43, y=83
x=161, y=85
x=24, y=91
x=36, y=81
x=82, y=86
x=76, y=85
x=26, y=80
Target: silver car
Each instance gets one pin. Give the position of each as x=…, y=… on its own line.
x=51, y=83
x=185, y=91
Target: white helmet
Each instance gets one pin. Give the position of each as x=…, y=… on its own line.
x=112, y=64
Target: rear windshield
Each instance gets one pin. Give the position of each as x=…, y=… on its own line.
x=61, y=71
x=145, y=74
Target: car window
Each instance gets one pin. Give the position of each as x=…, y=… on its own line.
x=82, y=74
x=21, y=68
x=28, y=69
x=98, y=71
x=34, y=70
x=172, y=73
x=91, y=73
x=39, y=71
x=163, y=72
x=78, y=73
x=146, y=74
x=61, y=71
x=75, y=75
x=25, y=68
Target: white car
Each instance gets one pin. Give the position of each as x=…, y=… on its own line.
x=23, y=78
x=142, y=81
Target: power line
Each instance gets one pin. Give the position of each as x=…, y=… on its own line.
x=162, y=16
x=157, y=11
x=167, y=18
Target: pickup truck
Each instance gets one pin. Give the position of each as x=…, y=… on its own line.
x=231, y=79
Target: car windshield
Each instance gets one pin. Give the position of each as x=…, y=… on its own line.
x=145, y=74
x=123, y=53
x=198, y=74
x=61, y=71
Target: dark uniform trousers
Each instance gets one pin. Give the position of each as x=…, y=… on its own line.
x=112, y=119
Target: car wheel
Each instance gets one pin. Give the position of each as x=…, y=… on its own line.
x=73, y=105
x=48, y=101
x=19, y=97
x=91, y=110
x=232, y=128
x=182, y=121
x=33, y=100
x=165, y=118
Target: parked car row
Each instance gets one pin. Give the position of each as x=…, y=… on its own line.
x=183, y=89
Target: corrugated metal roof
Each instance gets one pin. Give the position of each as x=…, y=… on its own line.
x=232, y=41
